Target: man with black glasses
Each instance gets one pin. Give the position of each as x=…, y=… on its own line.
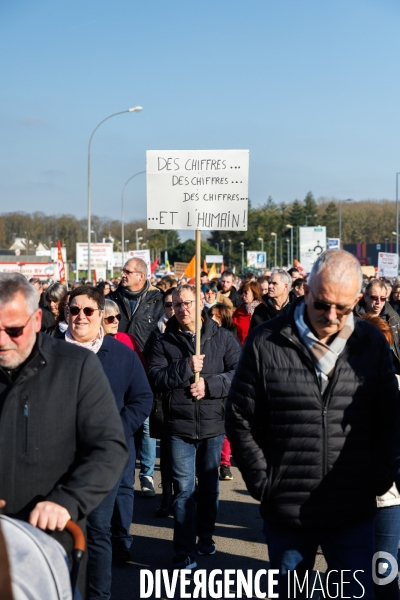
x=310, y=419
x=194, y=419
x=375, y=303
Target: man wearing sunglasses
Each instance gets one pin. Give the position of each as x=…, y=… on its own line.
x=310, y=420
x=374, y=303
x=62, y=444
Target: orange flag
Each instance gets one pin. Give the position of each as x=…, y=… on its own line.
x=205, y=266
x=212, y=272
x=190, y=270
x=222, y=269
x=60, y=263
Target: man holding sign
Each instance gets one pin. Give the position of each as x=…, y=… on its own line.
x=194, y=418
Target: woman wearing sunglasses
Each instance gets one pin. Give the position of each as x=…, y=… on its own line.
x=134, y=399
x=112, y=317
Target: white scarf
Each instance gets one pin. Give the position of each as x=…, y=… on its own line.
x=324, y=356
x=93, y=346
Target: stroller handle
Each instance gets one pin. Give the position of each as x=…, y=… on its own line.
x=77, y=535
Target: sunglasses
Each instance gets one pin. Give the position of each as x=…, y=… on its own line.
x=112, y=319
x=87, y=311
x=15, y=332
x=325, y=306
x=378, y=298
x=168, y=304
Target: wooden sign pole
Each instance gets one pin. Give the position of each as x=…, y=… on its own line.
x=198, y=302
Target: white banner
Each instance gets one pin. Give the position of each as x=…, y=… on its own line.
x=101, y=255
x=197, y=189
x=40, y=270
x=388, y=264
x=214, y=258
x=256, y=259
x=312, y=244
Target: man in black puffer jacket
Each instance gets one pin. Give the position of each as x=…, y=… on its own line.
x=309, y=418
x=194, y=418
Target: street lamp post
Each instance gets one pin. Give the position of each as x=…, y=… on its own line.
x=386, y=241
x=291, y=227
x=137, y=238
x=340, y=218
x=275, y=236
x=242, y=244
x=309, y=217
x=122, y=213
x=89, y=216
x=287, y=250
x=95, y=236
x=138, y=243
x=230, y=251
x=223, y=246
x=262, y=243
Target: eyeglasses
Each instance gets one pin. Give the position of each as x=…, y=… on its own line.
x=112, y=319
x=87, y=311
x=15, y=332
x=186, y=304
x=378, y=298
x=168, y=304
x=325, y=306
x=130, y=272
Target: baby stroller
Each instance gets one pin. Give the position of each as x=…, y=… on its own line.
x=38, y=564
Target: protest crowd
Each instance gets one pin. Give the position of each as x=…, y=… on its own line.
x=298, y=386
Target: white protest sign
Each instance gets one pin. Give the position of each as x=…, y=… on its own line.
x=312, y=244
x=256, y=259
x=197, y=189
x=143, y=254
x=214, y=258
x=101, y=255
x=388, y=264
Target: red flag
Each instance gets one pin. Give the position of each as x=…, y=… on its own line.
x=60, y=263
x=154, y=265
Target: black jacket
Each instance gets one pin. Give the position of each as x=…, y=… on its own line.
x=61, y=437
x=128, y=382
x=142, y=324
x=267, y=311
x=169, y=372
x=234, y=296
x=314, y=461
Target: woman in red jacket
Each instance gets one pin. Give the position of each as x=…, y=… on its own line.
x=251, y=295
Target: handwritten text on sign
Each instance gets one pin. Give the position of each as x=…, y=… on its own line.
x=197, y=189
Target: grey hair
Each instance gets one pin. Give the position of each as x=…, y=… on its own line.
x=284, y=275
x=140, y=265
x=381, y=284
x=184, y=286
x=110, y=306
x=56, y=291
x=342, y=266
x=14, y=283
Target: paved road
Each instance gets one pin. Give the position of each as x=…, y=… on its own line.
x=239, y=540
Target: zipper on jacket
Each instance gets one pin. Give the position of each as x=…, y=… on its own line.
x=324, y=442
x=26, y=414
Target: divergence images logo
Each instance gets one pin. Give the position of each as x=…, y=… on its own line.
x=385, y=565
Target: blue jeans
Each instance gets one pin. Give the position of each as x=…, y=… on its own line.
x=146, y=450
x=387, y=535
x=123, y=507
x=99, y=532
x=349, y=548
x=191, y=458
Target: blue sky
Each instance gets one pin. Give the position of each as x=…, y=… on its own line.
x=310, y=87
